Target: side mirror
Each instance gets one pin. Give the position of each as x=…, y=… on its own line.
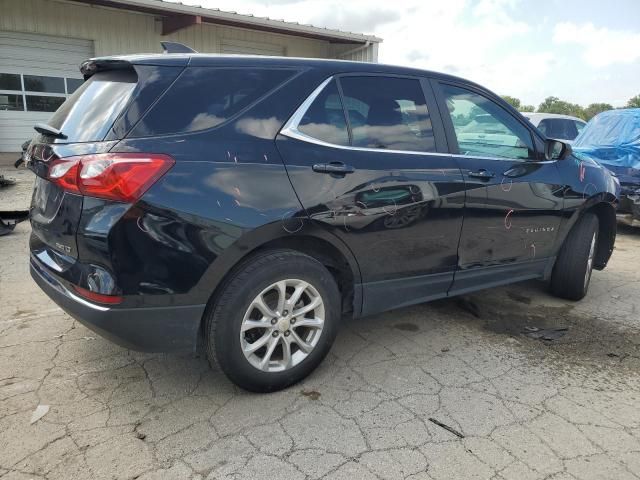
x=556, y=150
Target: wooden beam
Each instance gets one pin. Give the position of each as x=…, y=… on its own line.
x=174, y=23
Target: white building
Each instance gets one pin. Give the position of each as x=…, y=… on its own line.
x=42, y=43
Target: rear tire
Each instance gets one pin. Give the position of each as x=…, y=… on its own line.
x=274, y=320
x=572, y=272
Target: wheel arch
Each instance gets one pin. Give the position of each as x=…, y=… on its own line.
x=311, y=240
x=607, y=228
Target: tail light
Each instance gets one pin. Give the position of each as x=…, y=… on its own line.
x=123, y=177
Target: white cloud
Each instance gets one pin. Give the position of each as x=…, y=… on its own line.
x=497, y=43
x=601, y=46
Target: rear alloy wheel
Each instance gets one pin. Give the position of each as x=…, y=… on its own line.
x=572, y=272
x=282, y=325
x=274, y=320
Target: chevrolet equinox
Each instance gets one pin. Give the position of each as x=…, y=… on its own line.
x=249, y=204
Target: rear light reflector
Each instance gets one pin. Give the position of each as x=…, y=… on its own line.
x=97, y=297
x=123, y=177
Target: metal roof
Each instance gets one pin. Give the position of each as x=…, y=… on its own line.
x=220, y=17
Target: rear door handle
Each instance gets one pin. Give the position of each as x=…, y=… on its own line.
x=482, y=173
x=334, y=168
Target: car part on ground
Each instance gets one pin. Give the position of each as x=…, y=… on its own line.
x=9, y=220
x=612, y=138
x=23, y=155
x=183, y=198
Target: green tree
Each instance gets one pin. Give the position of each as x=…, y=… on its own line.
x=634, y=102
x=513, y=101
x=527, y=108
x=595, y=108
x=555, y=105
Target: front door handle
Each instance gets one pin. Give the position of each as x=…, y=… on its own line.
x=334, y=168
x=482, y=174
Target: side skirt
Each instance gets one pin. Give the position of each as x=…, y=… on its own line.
x=386, y=295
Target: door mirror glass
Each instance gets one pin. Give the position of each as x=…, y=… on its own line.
x=556, y=150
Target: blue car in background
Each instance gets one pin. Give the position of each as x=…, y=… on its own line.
x=612, y=138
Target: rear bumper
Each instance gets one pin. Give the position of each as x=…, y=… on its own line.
x=151, y=329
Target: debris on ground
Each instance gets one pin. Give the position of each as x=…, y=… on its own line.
x=310, y=394
x=6, y=182
x=38, y=413
x=548, y=334
x=446, y=427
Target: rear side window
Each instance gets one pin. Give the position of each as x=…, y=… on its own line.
x=325, y=118
x=88, y=114
x=205, y=97
x=387, y=113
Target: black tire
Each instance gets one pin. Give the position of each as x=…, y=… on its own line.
x=572, y=272
x=247, y=281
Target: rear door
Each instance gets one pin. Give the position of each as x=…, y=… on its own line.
x=514, y=197
x=365, y=154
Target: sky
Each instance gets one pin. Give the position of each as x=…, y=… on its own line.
x=583, y=51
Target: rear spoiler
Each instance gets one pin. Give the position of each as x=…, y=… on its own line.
x=179, y=58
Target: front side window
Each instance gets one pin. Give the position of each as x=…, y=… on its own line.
x=579, y=126
x=387, y=113
x=485, y=129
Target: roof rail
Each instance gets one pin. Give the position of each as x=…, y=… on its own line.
x=175, y=47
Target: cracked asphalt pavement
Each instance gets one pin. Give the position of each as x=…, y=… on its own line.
x=526, y=408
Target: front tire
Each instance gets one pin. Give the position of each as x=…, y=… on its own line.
x=572, y=272
x=274, y=320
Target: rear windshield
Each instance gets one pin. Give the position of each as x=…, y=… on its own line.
x=205, y=97
x=89, y=113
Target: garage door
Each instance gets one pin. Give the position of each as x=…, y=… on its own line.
x=37, y=73
x=243, y=47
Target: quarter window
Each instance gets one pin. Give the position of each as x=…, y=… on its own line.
x=485, y=129
x=387, y=113
x=205, y=97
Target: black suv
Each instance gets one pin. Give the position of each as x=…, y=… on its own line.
x=249, y=204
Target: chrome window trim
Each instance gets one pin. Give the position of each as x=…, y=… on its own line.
x=290, y=130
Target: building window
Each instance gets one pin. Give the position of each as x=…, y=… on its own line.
x=34, y=93
x=10, y=81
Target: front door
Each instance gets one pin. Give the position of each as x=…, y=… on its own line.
x=365, y=156
x=514, y=198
